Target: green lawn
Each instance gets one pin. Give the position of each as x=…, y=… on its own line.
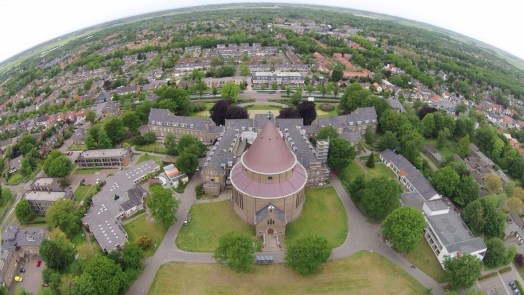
x=424, y=258
x=350, y=172
x=380, y=170
x=362, y=273
x=141, y=226
x=210, y=221
x=263, y=107
x=84, y=192
x=15, y=179
x=323, y=215
x=155, y=147
x=76, y=147
x=146, y=157
x=322, y=114
x=86, y=171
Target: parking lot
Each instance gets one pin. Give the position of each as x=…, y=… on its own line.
x=497, y=285
x=32, y=277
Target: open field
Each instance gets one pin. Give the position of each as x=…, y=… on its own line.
x=141, y=226
x=15, y=179
x=210, y=221
x=84, y=192
x=77, y=147
x=423, y=258
x=146, y=157
x=323, y=215
x=350, y=172
x=322, y=114
x=362, y=273
x=380, y=170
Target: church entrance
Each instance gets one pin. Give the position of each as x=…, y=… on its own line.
x=270, y=231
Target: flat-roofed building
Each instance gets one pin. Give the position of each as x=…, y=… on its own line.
x=41, y=200
x=281, y=78
x=47, y=184
x=106, y=158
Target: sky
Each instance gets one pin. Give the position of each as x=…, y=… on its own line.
x=26, y=23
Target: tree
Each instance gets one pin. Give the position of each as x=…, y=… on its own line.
x=463, y=146
x=288, y=113
x=296, y=98
x=477, y=213
x=57, y=164
x=411, y=144
x=90, y=116
x=115, y=130
x=57, y=253
x=442, y=138
x=340, y=153
x=170, y=144
x=87, y=250
x=337, y=73
x=446, y=181
x=354, y=96
x=219, y=112
x=492, y=183
x=460, y=108
x=404, y=228
x=468, y=191
x=307, y=111
x=463, y=271
x=388, y=141
x=175, y=99
x=24, y=212
x=370, y=135
x=132, y=256
x=497, y=255
x=131, y=121
x=518, y=192
x=236, y=112
x=230, y=92
x=187, y=163
x=101, y=276
x=306, y=254
x=189, y=144
x=380, y=197
x=64, y=215
x=370, y=163
x=429, y=128
x=162, y=204
x=236, y=251
x=149, y=137
x=326, y=132
x=244, y=70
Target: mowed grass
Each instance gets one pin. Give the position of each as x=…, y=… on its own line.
x=15, y=179
x=77, y=147
x=83, y=192
x=141, y=226
x=350, y=172
x=209, y=222
x=147, y=157
x=155, y=147
x=379, y=170
x=424, y=258
x=86, y=171
x=323, y=215
x=362, y=273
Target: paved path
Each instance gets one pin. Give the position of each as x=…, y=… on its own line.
x=362, y=236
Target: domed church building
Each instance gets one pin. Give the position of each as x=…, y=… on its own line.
x=268, y=184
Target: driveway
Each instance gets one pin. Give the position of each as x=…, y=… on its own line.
x=32, y=276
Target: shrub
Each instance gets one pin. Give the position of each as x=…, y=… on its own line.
x=198, y=107
x=144, y=242
x=199, y=190
x=327, y=107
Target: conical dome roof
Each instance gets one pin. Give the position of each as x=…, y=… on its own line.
x=269, y=152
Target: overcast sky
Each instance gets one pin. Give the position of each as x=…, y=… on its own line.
x=26, y=23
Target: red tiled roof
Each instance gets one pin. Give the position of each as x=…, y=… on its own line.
x=269, y=152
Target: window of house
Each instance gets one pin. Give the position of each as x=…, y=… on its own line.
x=269, y=177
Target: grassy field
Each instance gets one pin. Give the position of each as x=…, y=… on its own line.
x=210, y=221
x=380, y=170
x=86, y=171
x=362, y=273
x=322, y=114
x=323, y=215
x=83, y=192
x=425, y=260
x=141, y=226
x=146, y=157
x=264, y=107
x=350, y=172
x=15, y=179
x=155, y=147
x=77, y=147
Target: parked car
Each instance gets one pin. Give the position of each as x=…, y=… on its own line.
x=18, y=279
x=38, y=263
x=513, y=285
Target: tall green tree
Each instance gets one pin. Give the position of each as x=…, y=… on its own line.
x=340, y=154
x=230, y=92
x=162, y=204
x=23, y=211
x=101, y=276
x=404, y=228
x=57, y=164
x=187, y=163
x=58, y=251
x=446, y=181
x=462, y=272
x=497, y=255
x=380, y=197
x=326, y=132
x=306, y=254
x=388, y=141
x=236, y=251
x=131, y=121
x=90, y=116
x=170, y=144
x=63, y=214
x=115, y=130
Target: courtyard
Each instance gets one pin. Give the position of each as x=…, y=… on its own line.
x=357, y=274
x=142, y=225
